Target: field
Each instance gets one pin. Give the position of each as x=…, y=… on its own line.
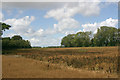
x=78, y=62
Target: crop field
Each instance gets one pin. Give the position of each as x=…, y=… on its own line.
x=76, y=62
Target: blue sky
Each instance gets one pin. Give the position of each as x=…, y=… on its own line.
x=45, y=24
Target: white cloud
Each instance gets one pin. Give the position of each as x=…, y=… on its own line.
x=89, y=8
x=36, y=37
x=64, y=15
x=93, y=27
x=109, y=22
x=45, y=41
x=69, y=32
x=66, y=24
x=61, y=13
x=34, y=41
x=70, y=10
x=21, y=25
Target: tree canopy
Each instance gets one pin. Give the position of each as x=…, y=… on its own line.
x=76, y=40
x=15, y=42
x=16, y=37
x=105, y=36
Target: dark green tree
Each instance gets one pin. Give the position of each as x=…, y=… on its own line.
x=77, y=40
x=106, y=36
x=16, y=37
x=82, y=39
x=15, y=42
x=68, y=41
x=3, y=27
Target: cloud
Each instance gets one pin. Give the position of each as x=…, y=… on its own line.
x=62, y=12
x=92, y=10
x=64, y=15
x=66, y=24
x=93, y=27
x=20, y=26
x=69, y=32
x=34, y=41
x=45, y=41
x=70, y=10
x=109, y=22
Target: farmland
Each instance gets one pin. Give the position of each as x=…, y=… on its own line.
x=74, y=62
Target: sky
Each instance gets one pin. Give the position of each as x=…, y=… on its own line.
x=46, y=23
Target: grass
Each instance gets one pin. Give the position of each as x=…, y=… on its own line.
x=103, y=59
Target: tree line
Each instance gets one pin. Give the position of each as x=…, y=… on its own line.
x=12, y=43
x=105, y=36
x=15, y=42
